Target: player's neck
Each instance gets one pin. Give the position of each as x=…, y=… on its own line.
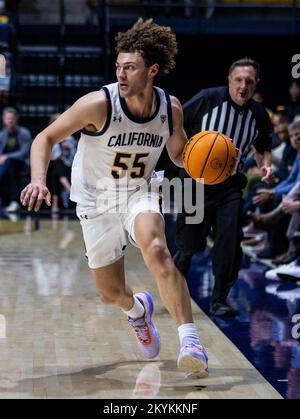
x=141, y=105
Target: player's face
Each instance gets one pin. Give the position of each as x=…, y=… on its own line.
x=132, y=73
x=242, y=84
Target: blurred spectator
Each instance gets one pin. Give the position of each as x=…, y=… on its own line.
x=283, y=156
x=91, y=17
x=280, y=115
x=6, y=83
x=14, y=156
x=281, y=135
x=297, y=118
x=284, y=187
x=59, y=174
x=294, y=177
x=8, y=36
x=293, y=107
x=277, y=221
x=289, y=205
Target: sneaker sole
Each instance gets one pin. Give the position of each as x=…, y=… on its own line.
x=193, y=367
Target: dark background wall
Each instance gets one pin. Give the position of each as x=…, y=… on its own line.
x=203, y=61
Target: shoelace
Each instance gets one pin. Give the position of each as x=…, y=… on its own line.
x=191, y=345
x=141, y=330
x=142, y=333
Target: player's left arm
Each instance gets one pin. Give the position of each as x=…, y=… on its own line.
x=177, y=141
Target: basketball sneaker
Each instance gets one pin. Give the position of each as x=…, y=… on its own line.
x=273, y=274
x=144, y=329
x=193, y=359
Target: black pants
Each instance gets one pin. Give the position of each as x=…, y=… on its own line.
x=223, y=206
x=9, y=173
x=57, y=169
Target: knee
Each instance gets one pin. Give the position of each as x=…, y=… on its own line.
x=157, y=255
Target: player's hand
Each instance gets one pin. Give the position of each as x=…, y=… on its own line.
x=266, y=174
x=34, y=194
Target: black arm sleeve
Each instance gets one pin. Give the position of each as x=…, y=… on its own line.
x=263, y=141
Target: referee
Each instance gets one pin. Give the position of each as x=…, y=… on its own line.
x=231, y=111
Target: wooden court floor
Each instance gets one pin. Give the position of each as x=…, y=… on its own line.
x=57, y=340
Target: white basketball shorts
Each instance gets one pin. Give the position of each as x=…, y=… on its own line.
x=105, y=233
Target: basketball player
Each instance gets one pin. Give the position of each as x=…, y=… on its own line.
x=231, y=111
x=124, y=127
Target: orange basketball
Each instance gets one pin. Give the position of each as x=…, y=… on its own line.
x=210, y=155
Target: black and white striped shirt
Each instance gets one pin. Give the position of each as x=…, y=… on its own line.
x=213, y=109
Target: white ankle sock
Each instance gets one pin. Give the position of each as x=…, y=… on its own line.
x=188, y=330
x=137, y=309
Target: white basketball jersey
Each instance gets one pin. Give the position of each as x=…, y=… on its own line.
x=124, y=152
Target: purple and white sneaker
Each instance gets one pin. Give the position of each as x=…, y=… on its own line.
x=144, y=329
x=193, y=359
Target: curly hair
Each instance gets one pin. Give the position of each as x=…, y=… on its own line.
x=157, y=44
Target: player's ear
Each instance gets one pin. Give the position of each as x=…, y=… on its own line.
x=154, y=70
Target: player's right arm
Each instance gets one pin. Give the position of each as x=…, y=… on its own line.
x=88, y=112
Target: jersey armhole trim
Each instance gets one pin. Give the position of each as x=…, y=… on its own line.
x=108, y=117
x=170, y=114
